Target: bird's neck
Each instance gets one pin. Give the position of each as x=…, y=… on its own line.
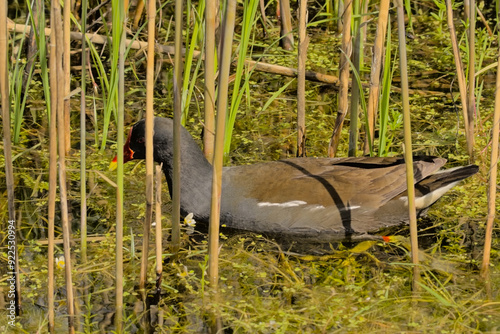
x=195, y=183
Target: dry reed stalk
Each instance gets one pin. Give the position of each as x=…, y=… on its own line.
x=355, y=88
x=286, y=25
x=138, y=13
x=462, y=84
x=301, y=80
x=83, y=158
x=66, y=67
x=343, y=79
x=290, y=72
x=471, y=100
x=150, y=71
x=7, y=146
x=52, y=186
x=467, y=4
x=176, y=179
x=32, y=47
x=100, y=39
x=149, y=137
x=158, y=231
x=285, y=71
x=377, y=61
x=339, y=9
x=148, y=221
x=168, y=49
x=59, y=90
x=262, y=7
x=209, y=133
x=484, y=21
x=492, y=210
x=408, y=153
x=119, y=172
x=213, y=234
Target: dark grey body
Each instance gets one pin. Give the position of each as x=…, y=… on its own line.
x=315, y=198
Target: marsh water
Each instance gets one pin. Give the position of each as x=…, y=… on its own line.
x=266, y=285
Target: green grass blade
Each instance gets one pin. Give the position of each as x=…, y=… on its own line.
x=250, y=9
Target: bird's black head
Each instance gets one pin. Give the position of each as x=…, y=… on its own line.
x=135, y=146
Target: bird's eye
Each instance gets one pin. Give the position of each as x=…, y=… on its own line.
x=141, y=140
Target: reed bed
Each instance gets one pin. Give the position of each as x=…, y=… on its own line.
x=433, y=277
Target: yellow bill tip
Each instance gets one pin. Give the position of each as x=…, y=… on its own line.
x=113, y=164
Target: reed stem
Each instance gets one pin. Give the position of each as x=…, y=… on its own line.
x=408, y=152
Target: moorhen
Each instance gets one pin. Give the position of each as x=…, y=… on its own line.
x=319, y=199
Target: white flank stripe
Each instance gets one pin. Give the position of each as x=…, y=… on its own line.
x=283, y=205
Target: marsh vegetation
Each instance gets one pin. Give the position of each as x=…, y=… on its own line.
x=265, y=285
